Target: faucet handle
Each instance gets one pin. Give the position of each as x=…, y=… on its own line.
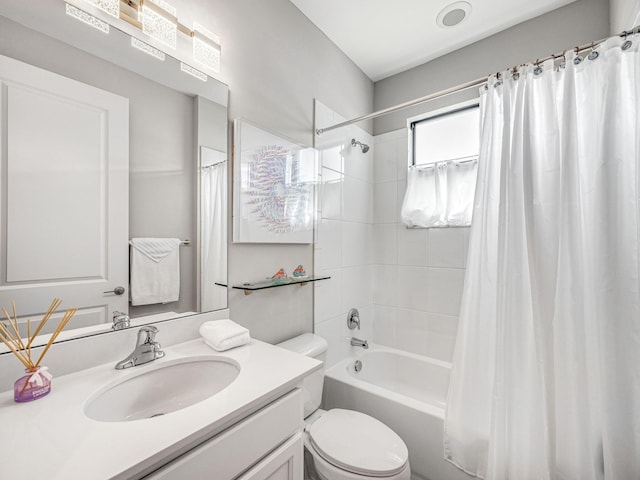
x=353, y=319
x=147, y=334
x=120, y=320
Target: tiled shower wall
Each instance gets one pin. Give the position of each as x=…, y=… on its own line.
x=406, y=283
x=418, y=274
x=344, y=242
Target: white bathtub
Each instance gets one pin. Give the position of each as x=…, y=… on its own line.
x=405, y=391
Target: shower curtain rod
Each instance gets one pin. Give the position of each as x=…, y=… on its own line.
x=464, y=86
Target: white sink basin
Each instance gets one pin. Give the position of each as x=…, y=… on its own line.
x=171, y=386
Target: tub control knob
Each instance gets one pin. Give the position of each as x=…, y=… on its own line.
x=353, y=319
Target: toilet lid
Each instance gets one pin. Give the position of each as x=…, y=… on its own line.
x=358, y=443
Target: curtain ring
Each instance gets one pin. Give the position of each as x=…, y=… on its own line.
x=538, y=69
x=594, y=53
x=498, y=80
x=577, y=59
x=560, y=61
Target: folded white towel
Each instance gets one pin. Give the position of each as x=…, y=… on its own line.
x=222, y=335
x=155, y=270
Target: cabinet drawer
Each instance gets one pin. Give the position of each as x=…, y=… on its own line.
x=236, y=449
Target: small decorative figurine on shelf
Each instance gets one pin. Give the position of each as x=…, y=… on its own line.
x=37, y=381
x=280, y=276
x=300, y=272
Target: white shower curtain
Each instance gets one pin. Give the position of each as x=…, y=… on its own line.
x=214, y=236
x=546, y=373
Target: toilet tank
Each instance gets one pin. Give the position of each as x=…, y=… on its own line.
x=313, y=346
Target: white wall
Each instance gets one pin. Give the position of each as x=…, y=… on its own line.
x=276, y=62
x=575, y=24
x=344, y=247
x=418, y=274
x=624, y=15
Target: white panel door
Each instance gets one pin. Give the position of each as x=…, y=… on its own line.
x=64, y=195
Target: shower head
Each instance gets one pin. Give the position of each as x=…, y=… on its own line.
x=364, y=146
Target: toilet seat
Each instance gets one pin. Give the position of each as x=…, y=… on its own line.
x=358, y=443
x=324, y=470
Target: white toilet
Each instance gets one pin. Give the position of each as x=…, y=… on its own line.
x=344, y=444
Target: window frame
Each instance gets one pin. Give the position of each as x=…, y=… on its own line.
x=441, y=112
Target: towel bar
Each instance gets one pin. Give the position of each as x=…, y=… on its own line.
x=182, y=242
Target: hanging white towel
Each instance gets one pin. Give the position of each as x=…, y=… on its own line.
x=155, y=270
x=222, y=335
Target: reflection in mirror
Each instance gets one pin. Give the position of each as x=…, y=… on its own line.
x=104, y=145
x=213, y=229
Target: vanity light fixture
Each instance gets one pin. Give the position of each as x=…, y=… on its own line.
x=87, y=18
x=186, y=68
x=154, y=29
x=146, y=48
x=206, y=48
x=159, y=21
x=112, y=7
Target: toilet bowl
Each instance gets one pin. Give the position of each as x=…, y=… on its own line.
x=344, y=444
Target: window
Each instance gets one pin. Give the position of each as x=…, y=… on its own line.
x=452, y=135
x=443, y=169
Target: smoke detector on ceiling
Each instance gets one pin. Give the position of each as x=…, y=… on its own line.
x=453, y=14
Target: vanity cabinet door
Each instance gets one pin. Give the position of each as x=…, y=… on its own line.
x=237, y=449
x=285, y=463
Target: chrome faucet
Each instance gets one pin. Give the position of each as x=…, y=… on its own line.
x=120, y=320
x=356, y=342
x=147, y=349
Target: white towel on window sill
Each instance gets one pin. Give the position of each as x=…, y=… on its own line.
x=155, y=270
x=222, y=335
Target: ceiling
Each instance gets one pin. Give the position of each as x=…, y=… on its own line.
x=385, y=37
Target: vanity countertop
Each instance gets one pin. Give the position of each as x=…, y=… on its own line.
x=52, y=438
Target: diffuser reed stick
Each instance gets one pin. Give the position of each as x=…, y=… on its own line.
x=12, y=339
x=52, y=308
x=63, y=323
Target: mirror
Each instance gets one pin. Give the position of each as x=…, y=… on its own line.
x=64, y=222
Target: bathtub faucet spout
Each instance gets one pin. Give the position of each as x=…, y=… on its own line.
x=356, y=342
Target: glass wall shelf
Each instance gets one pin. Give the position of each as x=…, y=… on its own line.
x=249, y=288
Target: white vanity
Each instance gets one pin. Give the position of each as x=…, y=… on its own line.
x=250, y=430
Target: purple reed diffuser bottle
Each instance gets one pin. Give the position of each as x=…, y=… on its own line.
x=35, y=384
